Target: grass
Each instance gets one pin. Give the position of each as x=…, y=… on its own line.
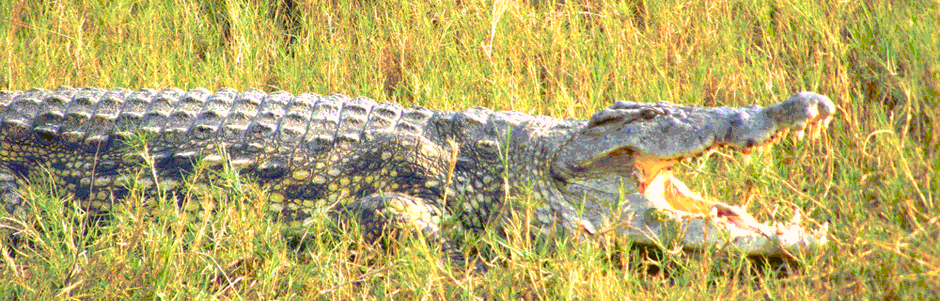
x=873, y=176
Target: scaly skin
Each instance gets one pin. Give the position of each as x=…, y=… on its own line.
x=393, y=167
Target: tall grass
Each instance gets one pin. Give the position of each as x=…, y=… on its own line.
x=873, y=176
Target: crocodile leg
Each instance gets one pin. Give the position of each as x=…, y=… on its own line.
x=384, y=217
x=9, y=192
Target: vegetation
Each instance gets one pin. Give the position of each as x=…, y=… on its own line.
x=873, y=176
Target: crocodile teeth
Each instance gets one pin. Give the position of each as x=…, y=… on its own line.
x=820, y=126
x=761, y=151
x=799, y=134
x=764, y=152
x=815, y=132
x=797, y=217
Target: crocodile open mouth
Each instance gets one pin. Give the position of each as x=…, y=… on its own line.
x=666, y=192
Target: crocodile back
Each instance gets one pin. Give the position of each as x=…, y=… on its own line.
x=308, y=148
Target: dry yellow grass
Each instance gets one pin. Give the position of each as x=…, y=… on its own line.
x=873, y=178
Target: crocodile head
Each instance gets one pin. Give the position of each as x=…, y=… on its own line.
x=634, y=145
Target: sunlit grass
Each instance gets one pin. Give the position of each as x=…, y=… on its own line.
x=873, y=175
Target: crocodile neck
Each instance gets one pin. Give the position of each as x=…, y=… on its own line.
x=528, y=146
x=499, y=155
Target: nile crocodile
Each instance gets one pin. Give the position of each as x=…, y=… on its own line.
x=396, y=167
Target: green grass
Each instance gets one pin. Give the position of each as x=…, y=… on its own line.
x=873, y=176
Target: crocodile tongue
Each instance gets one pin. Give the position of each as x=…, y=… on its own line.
x=666, y=191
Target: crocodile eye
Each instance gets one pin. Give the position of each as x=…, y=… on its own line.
x=652, y=113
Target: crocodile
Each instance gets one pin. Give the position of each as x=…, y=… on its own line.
x=391, y=168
